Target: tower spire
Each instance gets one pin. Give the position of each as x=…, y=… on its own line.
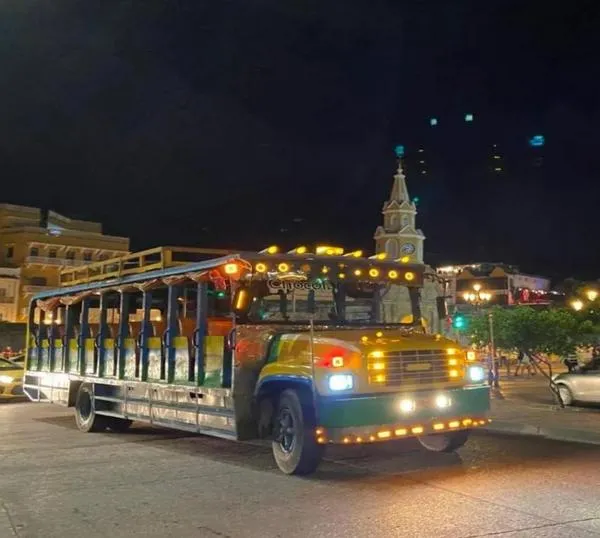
x=399, y=189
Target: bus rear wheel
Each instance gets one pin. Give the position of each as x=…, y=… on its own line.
x=444, y=442
x=295, y=448
x=85, y=415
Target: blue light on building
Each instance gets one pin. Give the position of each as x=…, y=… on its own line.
x=399, y=150
x=468, y=117
x=537, y=141
x=433, y=122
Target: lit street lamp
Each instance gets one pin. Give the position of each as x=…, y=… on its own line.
x=592, y=295
x=477, y=298
x=578, y=304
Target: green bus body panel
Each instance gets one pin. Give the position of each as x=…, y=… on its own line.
x=382, y=409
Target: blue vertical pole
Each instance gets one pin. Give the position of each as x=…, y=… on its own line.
x=146, y=332
x=84, y=332
x=69, y=315
x=123, y=332
x=201, y=330
x=172, y=329
x=101, y=336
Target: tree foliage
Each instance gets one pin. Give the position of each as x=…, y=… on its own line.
x=551, y=331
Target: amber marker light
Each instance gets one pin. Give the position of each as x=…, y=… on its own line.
x=283, y=267
x=373, y=273
x=231, y=268
x=357, y=272
x=409, y=276
x=393, y=274
x=384, y=435
x=260, y=268
x=417, y=429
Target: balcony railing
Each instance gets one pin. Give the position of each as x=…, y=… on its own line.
x=59, y=262
x=35, y=289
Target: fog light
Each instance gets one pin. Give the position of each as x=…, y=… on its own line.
x=341, y=382
x=407, y=406
x=476, y=374
x=442, y=401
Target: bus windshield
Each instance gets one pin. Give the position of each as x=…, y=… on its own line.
x=359, y=303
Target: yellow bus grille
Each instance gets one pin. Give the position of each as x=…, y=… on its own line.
x=412, y=367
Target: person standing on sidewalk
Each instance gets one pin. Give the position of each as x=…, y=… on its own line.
x=524, y=362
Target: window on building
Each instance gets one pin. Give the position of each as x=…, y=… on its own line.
x=103, y=257
x=87, y=256
x=405, y=220
x=10, y=251
x=70, y=254
x=34, y=251
x=2, y=292
x=38, y=281
x=391, y=248
x=52, y=253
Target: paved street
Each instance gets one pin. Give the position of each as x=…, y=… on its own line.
x=57, y=482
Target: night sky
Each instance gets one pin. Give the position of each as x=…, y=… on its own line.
x=246, y=123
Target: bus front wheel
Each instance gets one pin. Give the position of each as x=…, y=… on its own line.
x=444, y=442
x=295, y=448
x=85, y=416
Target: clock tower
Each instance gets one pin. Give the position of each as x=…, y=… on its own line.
x=399, y=237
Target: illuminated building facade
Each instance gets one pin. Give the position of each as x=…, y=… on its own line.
x=35, y=245
x=506, y=283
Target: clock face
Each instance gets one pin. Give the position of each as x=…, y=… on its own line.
x=407, y=248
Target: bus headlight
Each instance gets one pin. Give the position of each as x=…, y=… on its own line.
x=6, y=379
x=476, y=374
x=339, y=382
x=442, y=401
x=407, y=406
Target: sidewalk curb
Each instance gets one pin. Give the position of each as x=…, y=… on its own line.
x=555, y=434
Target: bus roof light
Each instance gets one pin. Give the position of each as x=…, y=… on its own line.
x=231, y=268
x=380, y=256
x=329, y=251
x=273, y=249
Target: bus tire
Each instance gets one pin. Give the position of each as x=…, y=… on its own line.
x=86, y=418
x=295, y=447
x=118, y=425
x=444, y=442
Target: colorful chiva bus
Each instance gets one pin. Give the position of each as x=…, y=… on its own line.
x=294, y=347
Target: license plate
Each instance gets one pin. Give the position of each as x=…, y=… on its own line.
x=418, y=367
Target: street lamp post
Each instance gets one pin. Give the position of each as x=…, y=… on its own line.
x=477, y=298
x=590, y=294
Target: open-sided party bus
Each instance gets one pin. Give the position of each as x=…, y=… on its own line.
x=295, y=347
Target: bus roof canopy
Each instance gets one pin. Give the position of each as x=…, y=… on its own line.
x=169, y=265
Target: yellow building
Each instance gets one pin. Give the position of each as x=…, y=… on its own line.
x=35, y=245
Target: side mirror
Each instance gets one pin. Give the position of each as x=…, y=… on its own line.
x=442, y=307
